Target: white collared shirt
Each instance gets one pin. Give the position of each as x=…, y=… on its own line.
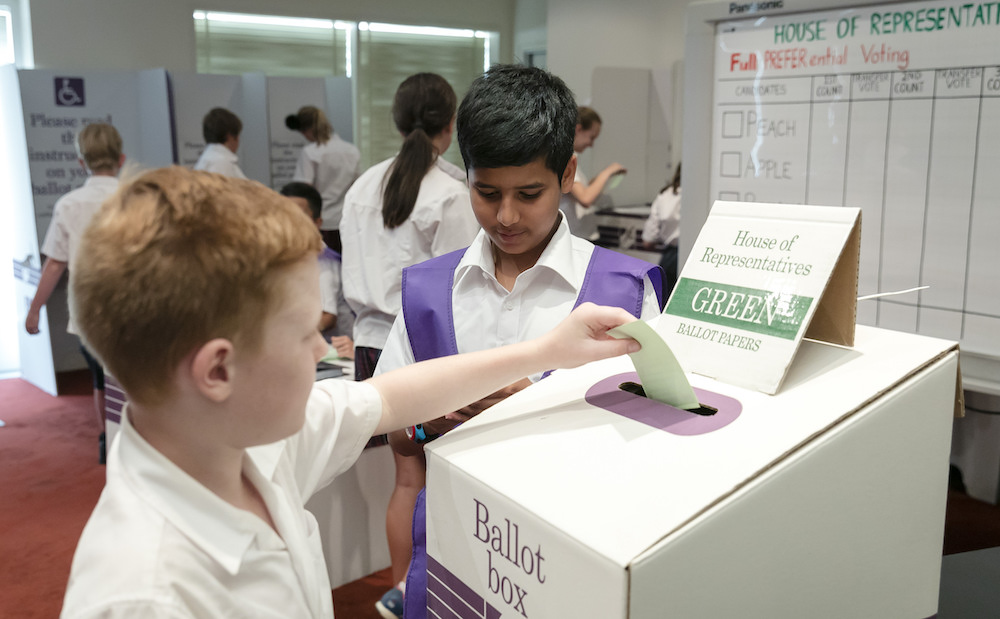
x=486, y=315
x=331, y=296
x=373, y=259
x=159, y=544
x=219, y=159
x=330, y=168
x=452, y=170
x=70, y=217
x=664, y=223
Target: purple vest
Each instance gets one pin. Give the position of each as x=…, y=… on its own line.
x=612, y=279
x=329, y=254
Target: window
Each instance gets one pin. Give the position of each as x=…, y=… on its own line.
x=300, y=47
x=388, y=54
x=6, y=36
x=15, y=34
x=385, y=55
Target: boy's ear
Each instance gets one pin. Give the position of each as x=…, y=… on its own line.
x=569, y=175
x=212, y=369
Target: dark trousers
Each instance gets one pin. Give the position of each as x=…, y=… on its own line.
x=332, y=240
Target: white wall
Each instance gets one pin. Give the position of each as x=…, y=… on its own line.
x=138, y=34
x=583, y=34
x=530, y=27
x=633, y=34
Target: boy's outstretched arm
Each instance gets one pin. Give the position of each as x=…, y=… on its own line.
x=427, y=390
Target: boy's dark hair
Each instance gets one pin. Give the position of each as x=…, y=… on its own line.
x=308, y=192
x=219, y=124
x=512, y=115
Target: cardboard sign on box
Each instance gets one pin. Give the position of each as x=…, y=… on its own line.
x=759, y=278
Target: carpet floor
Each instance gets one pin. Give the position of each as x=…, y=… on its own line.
x=51, y=481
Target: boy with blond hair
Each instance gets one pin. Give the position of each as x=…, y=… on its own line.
x=99, y=147
x=200, y=294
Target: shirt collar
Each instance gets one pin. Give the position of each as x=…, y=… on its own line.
x=100, y=179
x=221, y=530
x=557, y=256
x=223, y=152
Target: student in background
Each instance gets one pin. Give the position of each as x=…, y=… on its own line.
x=663, y=228
x=99, y=147
x=227, y=433
x=402, y=211
x=221, y=130
x=578, y=204
x=328, y=163
x=522, y=273
x=337, y=320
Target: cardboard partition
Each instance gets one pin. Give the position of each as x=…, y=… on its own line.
x=285, y=95
x=33, y=352
x=55, y=106
x=194, y=94
x=574, y=498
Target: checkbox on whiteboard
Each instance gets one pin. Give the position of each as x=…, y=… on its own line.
x=731, y=196
x=732, y=124
x=730, y=165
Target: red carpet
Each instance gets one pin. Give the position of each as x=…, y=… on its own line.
x=51, y=480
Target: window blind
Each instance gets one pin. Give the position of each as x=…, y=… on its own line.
x=235, y=43
x=385, y=59
x=273, y=46
x=6, y=36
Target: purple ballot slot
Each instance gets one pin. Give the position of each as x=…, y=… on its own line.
x=607, y=394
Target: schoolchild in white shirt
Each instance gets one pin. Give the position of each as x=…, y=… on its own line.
x=328, y=163
x=99, y=147
x=221, y=130
x=337, y=320
x=662, y=229
x=401, y=211
x=200, y=293
x=578, y=203
x=523, y=272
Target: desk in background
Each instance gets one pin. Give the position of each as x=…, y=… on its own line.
x=620, y=228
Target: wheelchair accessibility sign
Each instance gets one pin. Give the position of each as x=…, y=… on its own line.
x=69, y=92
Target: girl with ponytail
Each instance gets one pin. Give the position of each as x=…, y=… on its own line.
x=407, y=209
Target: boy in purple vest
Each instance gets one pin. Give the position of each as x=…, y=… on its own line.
x=523, y=273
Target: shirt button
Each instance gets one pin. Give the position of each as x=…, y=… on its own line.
x=509, y=307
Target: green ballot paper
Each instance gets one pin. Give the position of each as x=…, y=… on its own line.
x=614, y=181
x=330, y=356
x=661, y=375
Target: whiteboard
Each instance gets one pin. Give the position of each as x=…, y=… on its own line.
x=893, y=108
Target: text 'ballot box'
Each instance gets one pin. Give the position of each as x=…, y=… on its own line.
x=574, y=498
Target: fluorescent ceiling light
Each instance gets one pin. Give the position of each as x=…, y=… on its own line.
x=271, y=20
x=420, y=30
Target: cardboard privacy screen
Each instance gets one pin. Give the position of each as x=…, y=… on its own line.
x=759, y=278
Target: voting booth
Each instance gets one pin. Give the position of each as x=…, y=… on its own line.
x=810, y=478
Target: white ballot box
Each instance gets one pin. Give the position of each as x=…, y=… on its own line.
x=574, y=498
